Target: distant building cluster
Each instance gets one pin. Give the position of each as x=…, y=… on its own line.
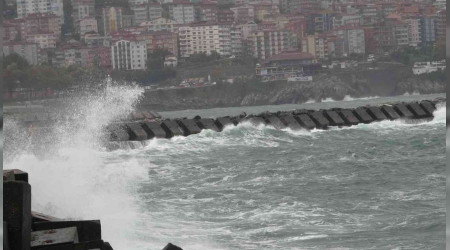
x=120, y=34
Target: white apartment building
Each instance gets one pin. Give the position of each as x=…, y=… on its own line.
x=204, y=38
x=29, y=51
x=26, y=7
x=414, y=32
x=129, y=55
x=182, y=12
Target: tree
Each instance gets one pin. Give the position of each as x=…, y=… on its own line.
x=155, y=59
x=20, y=62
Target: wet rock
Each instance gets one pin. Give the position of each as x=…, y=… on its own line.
x=171, y=246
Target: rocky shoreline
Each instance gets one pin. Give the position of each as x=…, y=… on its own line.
x=387, y=80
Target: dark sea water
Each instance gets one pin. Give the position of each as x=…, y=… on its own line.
x=371, y=186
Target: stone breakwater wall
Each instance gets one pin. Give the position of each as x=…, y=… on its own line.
x=24, y=229
x=294, y=120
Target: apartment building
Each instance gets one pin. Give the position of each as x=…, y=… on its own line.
x=45, y=40
x=428, y=28
x=82, y=9
x=27, y=7
x=266, y=43
x=414, y=32
x=316, y=45
x=29, y=51
x=204, y=38
x=86, y=25
x=161, y=24
x=129, y=55
x=349, y=41
x=110, y=20
x=182, y=11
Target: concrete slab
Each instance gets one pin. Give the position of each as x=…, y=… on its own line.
x=376, y=113
x=428, y=107
x=87, y=230
x=137, y=133
x=208, y=123
x=417, y=110
x=222, y=122
x=334, y=118
x=362, y=115
x=275, y=122
x=154, y=130
x=256, y=120
x=403, y=111
x=291, y=122
x=306, y=121
x=189, y=126
x=320, y=120
x=390, y=112
x=348, y=116
x=54, y=237
x=172, y=128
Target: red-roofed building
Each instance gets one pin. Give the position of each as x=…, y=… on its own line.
x=101, y=57
x=11, y=31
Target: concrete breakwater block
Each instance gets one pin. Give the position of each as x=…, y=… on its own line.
x=118, y=132
x=376, y=113
x=136, y=132
x=305, y=121
x=291, y=122
x=390, y=112
x=172, y=128
x=222, y=122
x=154, y=130
x=171, y=246
x=189, y=126
x=403, y=111
x=208, y=123
x=348, y=116
x=428, y=106
x=417, y=110
x=17, y=213
x=334, y=118
x=319, y=119
x=275, y=122
x=362, y=115
x=256, y=120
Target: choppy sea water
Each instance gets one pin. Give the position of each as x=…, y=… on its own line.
x=375, y=186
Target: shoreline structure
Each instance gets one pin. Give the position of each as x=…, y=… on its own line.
x=24, y=229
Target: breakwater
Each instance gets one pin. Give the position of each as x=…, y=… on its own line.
x=24, y=229
x=295, y=120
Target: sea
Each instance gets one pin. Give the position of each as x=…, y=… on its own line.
x=370, y=186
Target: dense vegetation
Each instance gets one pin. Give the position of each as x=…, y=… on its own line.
x=410, y=55
x=17, y=73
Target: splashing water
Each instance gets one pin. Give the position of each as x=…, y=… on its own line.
x=71, y=174
x=244, y=188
